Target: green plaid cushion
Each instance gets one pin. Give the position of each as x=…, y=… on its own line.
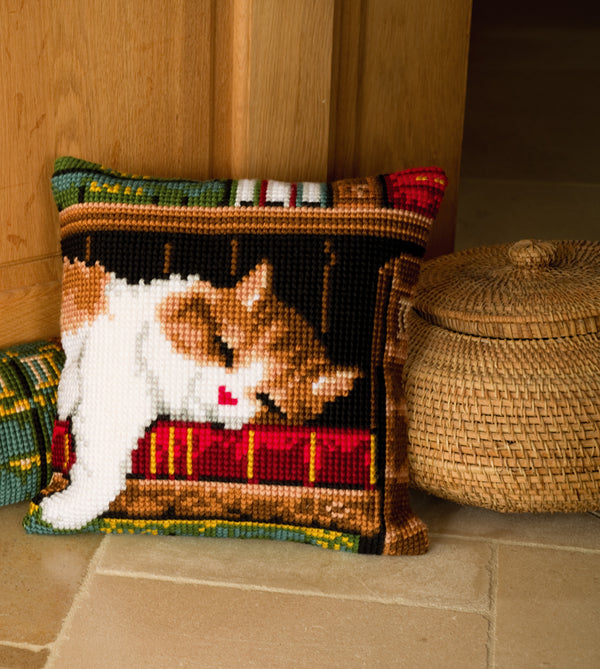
x=29, y=376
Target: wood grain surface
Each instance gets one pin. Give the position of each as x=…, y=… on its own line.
x=283, y=89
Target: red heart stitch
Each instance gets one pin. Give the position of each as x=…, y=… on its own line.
x=225, y=397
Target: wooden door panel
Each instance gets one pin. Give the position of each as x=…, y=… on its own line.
x=285, y=89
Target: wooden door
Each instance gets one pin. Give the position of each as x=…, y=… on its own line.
x=281, y=89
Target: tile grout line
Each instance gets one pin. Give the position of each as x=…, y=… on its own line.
x=515, y=542
x=23, y=645
x=493, y=599
x=81, y=593
x=182, y=580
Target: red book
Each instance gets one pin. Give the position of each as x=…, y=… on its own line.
x=303, y=456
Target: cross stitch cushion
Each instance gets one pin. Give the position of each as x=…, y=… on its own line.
x=29, y=375
x=234, y=357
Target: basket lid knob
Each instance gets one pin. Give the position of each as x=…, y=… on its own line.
x=532, y=253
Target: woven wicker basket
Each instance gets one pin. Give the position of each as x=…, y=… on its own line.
x=503, y=377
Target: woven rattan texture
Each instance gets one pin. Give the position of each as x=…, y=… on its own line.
x=528, y=290
x=508, y=424
x=234, y=357
x=29, y=376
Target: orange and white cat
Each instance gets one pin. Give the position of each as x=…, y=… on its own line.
x=176, y=347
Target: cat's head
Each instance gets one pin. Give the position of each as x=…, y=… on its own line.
x=299, y=376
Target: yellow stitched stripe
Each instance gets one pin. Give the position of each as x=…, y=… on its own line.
x=67, y=452
x=189, y=443
x=313, y=457
x=153, y=453
x=17, y=407
x=320, y=537
x=373, y=471
x=250, y=454
x=171, y=451
x=25, y=463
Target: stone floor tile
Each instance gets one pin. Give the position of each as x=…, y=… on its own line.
x=20, y=658
x=454, y=573
x=126, y=622
x=40, y=575
x=548, y=607
x=578, y=530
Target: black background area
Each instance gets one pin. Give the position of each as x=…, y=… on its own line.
x=298, y=263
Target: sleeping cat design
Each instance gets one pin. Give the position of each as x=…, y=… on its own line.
x=176, y=347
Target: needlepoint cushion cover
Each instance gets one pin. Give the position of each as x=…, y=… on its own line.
x=29, y=375
x=234, y=357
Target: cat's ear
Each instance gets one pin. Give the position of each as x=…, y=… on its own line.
x=336, y=382
x=255, y=286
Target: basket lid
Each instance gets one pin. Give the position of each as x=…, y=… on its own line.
x=532, y=289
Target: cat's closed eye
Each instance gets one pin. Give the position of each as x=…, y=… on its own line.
x=225, y=351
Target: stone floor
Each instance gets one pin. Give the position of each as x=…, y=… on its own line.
x=494, y=591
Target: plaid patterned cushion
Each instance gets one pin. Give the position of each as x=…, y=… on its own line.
x=29, y=376
x=234, y=355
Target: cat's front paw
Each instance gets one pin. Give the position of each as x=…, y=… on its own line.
x=67, y=510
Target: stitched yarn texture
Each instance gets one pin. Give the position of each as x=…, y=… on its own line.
x=29, y=375
x=234, y=357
